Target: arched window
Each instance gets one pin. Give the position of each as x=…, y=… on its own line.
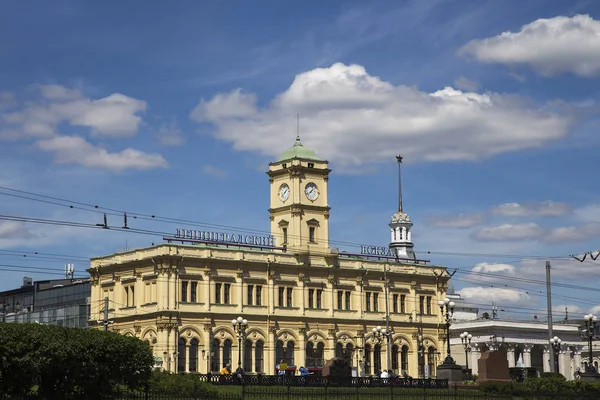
x=193, y=363
x=339, y=350
x=377, y=358
x=431, y=360
x=258, y=356
x=214, y=356
x=320, y=355
x=367, y=359
x=309, y=355
x=278, y=352
x=181, y=355
x=348, y=353
x=247, y=356
x=289, y=353
x=395, y=357
x=227, y=352
x=404, y=360
x=421, y=360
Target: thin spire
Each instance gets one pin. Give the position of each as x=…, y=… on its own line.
x=399, y=160
x=297, y=127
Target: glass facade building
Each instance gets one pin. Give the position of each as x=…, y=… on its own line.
x=63, y=302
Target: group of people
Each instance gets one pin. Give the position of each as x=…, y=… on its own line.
x=239, y=372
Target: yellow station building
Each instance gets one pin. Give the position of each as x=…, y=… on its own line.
x=304, y=301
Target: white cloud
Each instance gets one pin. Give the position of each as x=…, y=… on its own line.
x=589, y=213
x=465, y=84
x=116, y=115
x=559, y=310
x=457, y=220
x=354, y=119
x=533, y=209
x=565, y=269
x=487, y=272
x=595, y=310
x=14, y=230
x=76, y=150
x=169, y=134
x=485, y=267
x=573, y=233
x=509, y=232
x=485, y=295
x=549, y=46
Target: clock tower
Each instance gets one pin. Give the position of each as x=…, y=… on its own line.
x=299, y=208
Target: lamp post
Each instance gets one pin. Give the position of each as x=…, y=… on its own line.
x=465, y=339
x=589, y=332
x=447, y=309
x=378, y=334
x=555, y=343
x=239, y=326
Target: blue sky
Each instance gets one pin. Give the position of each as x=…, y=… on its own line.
x=176, y=111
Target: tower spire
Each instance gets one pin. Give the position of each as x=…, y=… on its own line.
x=297, y=127
x=399, y=160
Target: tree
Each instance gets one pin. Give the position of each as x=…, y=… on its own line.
x=55, y=362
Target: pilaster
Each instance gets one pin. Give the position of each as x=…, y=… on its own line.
x=546, y=359
x=510, y=355
x=475, y=355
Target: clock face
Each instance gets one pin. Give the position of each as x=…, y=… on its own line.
x=284, y=192
x=311, y=191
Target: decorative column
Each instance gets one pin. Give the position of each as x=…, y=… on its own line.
x=207, y=284
x=302, y=285
x=577, y=356
x=475, y=355
x=564, y=361
x=546, y=359
x=301, y=356
x=330, y=350
x=270, y=361
x=240, y=277
x=510, y=355
x=527, y=355
x=208, y=348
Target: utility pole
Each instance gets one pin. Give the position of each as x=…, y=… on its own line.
x=105, y=321
x=549, y=299
x=387, y=320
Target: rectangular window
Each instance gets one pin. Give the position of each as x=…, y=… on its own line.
x=340, y=300
x=289, y=297
x=403, y=303
x=259, y=295
x=184, y=291
x=319, y=298
x=284, y=235
x=147, y=293
x=428, y=305
x=281, y=294
x=422, y=304
x=395, y=304
x=375, y=302
x=368, y=301
x=250, y=294
x=311, y=165
x=194, y=292
x=226, y=292
x=311, y=234
x=311, y=294
x=218, y=287
x=348, y=300
x=129, y=296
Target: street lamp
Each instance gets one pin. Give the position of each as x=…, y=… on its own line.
x=589, y=332
x=555, y=343
x=465, y=339
x=239, y=326
x=447, y=309
x=378, y=334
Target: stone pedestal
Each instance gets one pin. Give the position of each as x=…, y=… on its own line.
x=452, y=372
x=493, y=366
x=590, y=376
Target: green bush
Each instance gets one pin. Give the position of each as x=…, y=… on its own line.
x=60, y=363
x=547, y=383
x=166, y=383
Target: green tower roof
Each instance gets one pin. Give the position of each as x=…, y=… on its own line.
x=298, y=151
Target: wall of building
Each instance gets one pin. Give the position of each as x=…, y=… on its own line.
x=182, y=298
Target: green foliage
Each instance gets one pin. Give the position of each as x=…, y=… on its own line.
x=60, y=363
x=547, y=383
x=166, y=383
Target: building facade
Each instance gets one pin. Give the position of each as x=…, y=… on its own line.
x=524, y=343
x=62, y=302
x=305, y=302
